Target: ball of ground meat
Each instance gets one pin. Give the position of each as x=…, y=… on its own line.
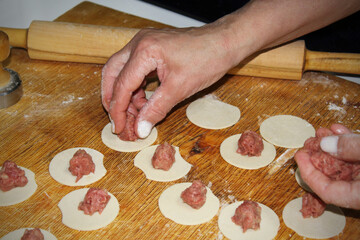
x=33, y=234
x=195, y=195
x=250, y=144
x=81, y=164
x=128, y=133
x=164, y=157
x=312, y=206
x=11, y=176
x=95, y=201
x=248, y=215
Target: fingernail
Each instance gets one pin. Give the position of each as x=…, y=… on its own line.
x=112, y=124
x=144, y=129
x=329, y=144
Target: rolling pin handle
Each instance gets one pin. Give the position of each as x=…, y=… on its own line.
x=17, y=37
x=332, y=62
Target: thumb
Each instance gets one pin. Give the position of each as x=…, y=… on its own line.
x=155, y=110
x=346, y=146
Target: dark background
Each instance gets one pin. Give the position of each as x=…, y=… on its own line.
x=342, y=36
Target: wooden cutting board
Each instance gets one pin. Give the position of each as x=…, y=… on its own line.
x=61, y=108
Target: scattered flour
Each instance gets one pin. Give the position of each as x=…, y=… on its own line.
x=334, y=107
x=69, y=99
x=318, y=78
x=344, y=101
x=231, y=197
x=47, y=195
x=12, y=113
x=324, y=80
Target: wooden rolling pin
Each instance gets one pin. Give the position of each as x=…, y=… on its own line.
x=71, y=42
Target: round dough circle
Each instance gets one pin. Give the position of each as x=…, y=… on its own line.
x=114, y=142
x=211, y=113
x=59, y=168
x=178, y=170
x=76, y=219
x=301, y=182
x=286, y=131
x=19, y=194
x=172, y=206
x=329, y=224
x=18, y=233
x=228, y=152
x=269, y=224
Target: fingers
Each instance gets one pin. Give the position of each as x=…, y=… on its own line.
x=129, y=80
x=160, y=103
x=110, y=72
x=139, y=98
x=340, y=193
x=323, y=132
x=339, y=129
x=346, y=147
x=349, y=147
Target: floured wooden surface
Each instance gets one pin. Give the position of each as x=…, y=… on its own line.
x=61, y=108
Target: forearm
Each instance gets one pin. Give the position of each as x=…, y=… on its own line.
x=266, y=23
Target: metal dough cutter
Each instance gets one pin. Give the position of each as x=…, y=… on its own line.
x=10, y=83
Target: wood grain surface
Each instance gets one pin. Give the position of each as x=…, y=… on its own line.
x=61, y=108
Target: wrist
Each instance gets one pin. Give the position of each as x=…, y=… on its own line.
x=236, y=36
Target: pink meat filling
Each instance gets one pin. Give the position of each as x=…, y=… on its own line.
x=195, y=195
x=164, y=157
x=138, y=100
x=81, y=164
x=33, y=234
x=250, y=144
x=334, y=168
x=128, y=133
x=248, y=215
x=95, y=201
x=312, y=206
x=11, y=176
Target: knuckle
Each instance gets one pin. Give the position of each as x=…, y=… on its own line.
x=148, y=40
x=156, y=113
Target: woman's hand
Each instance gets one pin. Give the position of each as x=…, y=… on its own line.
x=343, y=145
x=189, y=60
x=186, y=61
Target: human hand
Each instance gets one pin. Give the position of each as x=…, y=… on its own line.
x=189, y=60
x=343, y=145
x=186, y=61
